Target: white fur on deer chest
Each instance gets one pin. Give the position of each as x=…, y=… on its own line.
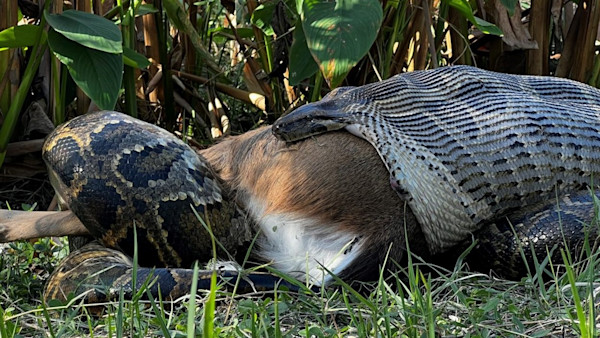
x=301, y=246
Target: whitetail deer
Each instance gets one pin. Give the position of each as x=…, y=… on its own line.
x=326, y=201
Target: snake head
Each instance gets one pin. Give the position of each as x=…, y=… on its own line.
x=315, y=118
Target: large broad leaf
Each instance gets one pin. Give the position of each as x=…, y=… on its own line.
x=340, y=33
x=20, y=36
x=302, y=65
x=98, y=74
x=465, y=9
x=87, y=29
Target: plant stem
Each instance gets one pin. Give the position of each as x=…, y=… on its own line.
x=10, y=120
x=128, y=33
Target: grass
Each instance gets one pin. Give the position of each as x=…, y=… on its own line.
x=409, y=304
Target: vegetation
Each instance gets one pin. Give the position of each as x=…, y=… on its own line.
x=204, y=69
x=412, y=303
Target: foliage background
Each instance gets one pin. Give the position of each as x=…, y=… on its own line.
x=232, y=66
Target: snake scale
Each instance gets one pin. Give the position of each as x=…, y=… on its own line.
x=470, y=151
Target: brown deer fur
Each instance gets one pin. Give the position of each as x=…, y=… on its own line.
x=336, y=180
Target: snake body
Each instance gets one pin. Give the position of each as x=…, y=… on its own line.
x=119, y=174
x=464, y=145
x=116, y=173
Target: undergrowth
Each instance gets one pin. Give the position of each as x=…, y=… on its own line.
x=410, y=303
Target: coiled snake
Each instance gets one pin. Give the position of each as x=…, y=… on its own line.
x=470, y=151
x=117, y=173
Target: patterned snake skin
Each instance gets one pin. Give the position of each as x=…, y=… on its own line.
x=116, y=173
x=465, y=145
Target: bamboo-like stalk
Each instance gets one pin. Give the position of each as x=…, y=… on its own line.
x=152, y=52
x=129, y=83
x=12, y=114
x=539, y=26
x=459, y=30
x=421, y=40
x=595, y=76
x=399, y=23
x=430, y=39
x=8, y=60
x=577, y=58
x=83, y=5
x=168, y=103
x=83, y=101
x=563, y=69
x=190, y=52
x=58, y=77
x=214, y=112
x=255, y=99
x=584, y=59
x=404, y=50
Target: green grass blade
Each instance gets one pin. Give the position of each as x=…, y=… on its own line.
x=119, y=318
x=581, y=317
x=160, y=318
x=276, y=314
x=191, y=308
x=191, y=318
x=3, y=331
x=48, y=321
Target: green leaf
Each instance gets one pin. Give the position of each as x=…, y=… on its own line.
x=302, y=65
x=176, y=13
x=465, y=9
x=87, y=29
x=98, y=74
x=262, y=16
x=488, y=27
x=339, y=34
x=144, y=9
x=134, y=59
x=510, y=5
x=299, y=4
x=20, y=36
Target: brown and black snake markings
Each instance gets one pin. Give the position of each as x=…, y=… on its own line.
x=510, y=173
x=116, y=173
